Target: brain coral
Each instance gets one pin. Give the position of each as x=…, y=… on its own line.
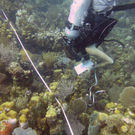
x=127, y=97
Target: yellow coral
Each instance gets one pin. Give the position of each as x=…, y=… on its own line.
x=117, y=111
x=124, y=129
x=1, y=108
x=51, y=113
x=102, y=117
x=35, y=99
x=23, y=55
x=110, y=105
x=120, y=107
x=48, y=97
x=57, y=71
x=23, y=118
x=24, y=111
x=130, y=113
x=7, y=105
x=12, y=114
x=54, y=85
x=65, y=76
x=3, y=116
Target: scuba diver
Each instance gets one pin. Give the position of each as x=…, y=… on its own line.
x=89, y=22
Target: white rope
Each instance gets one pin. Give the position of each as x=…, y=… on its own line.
x=17, y=36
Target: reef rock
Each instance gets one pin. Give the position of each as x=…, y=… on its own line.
x=21, y=131
x=4, y=89
x=2, y=77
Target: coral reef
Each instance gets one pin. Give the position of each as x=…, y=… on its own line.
x=115, y=121
x=24, y=102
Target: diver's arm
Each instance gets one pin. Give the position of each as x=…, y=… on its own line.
x=78, y=12
x=77, y=15
x=92, y=50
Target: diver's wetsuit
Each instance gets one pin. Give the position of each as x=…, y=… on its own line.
x=101, y=27
x=89, y=26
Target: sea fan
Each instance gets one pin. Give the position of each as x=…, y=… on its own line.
x=65, y=88
x=77, y=127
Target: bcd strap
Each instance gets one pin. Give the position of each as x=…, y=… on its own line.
x=100, y=32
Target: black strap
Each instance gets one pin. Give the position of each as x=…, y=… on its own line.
x=91, y=5
x=123, y=7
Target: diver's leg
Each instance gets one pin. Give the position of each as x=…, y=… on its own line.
x=92, y=50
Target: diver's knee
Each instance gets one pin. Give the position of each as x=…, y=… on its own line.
x=86, y=49
x=90, y=49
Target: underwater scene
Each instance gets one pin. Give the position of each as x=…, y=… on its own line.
x=40, y=91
